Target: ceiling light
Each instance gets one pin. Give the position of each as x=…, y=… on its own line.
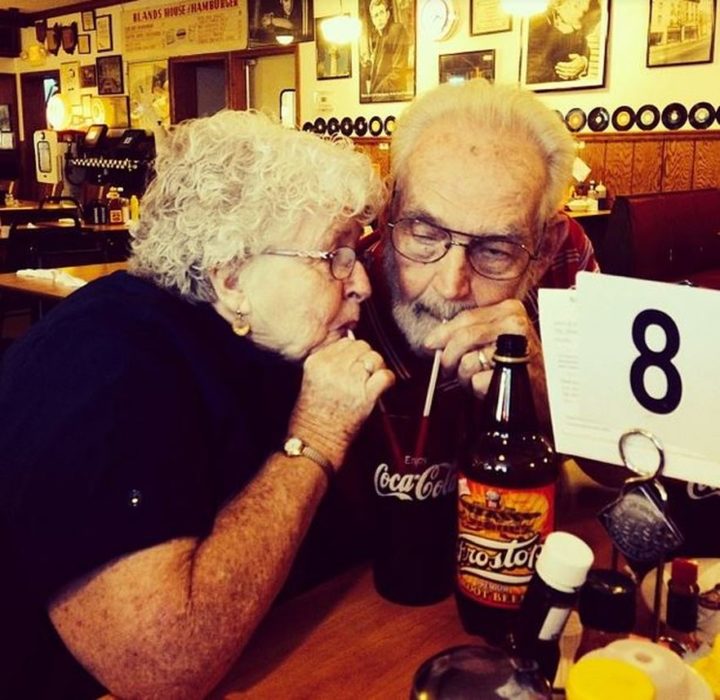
x=284, y=38
x=340, y=29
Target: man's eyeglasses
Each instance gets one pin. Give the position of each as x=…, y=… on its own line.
x=342, y=260
x=492, y=256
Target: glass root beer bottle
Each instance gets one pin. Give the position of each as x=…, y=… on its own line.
x=506, y=499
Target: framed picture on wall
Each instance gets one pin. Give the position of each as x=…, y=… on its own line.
x=70, y=78
x=387, y=50
x=681, y=38
x=87, y=18
x=331, y=60
x=5, y=118
x=103, y=33
x=109, y=75
x=88, y=76
x=565, y=48
x=486, y=17
x=273, y=22
x=83, y=43
x=149, y=93
x=459, y=67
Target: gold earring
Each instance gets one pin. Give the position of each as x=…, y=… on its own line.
x=240, y=325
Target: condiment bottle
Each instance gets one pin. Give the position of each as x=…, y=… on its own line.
x=506, y=499
x=601, y=678
x=114, y=207
x=559, y=573
x=709, y=668
x=134, y=208
x=601, y=192
x=681, y=614
x=607, y=609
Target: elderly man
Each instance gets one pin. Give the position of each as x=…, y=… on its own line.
x=473, y=229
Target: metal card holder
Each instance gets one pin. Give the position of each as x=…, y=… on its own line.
x=637, y=523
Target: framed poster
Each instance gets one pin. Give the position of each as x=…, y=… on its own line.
x=109, y=75
x=486, y=17
x=565, y=48
x=83, y=43
x=70, y=79
x=88, y=76
x=459, y=67
x=683, y=37
x=149, y=94
x=331, y=60
x=103, y=33
x=273, y=22
x=387, y=50
x=113, y=111
x=87, y=19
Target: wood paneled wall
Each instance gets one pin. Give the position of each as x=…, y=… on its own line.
x=654, y=162
x=628, y=163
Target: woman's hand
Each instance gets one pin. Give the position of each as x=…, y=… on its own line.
x=341, y=384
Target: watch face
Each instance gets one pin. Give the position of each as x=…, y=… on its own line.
x=293, y=447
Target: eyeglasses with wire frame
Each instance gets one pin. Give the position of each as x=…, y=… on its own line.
x=342, y=260
x=493, y=256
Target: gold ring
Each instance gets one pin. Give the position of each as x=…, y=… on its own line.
x=485, y=364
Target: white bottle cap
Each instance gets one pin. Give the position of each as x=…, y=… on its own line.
x=564, y=561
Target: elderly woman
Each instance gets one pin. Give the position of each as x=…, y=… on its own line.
x=169, y=432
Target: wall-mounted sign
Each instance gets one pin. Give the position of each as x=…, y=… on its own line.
x=177, y=27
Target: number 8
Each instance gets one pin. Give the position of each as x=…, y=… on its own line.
x=660, y=359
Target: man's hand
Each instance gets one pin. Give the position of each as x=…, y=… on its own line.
x=573, y=68
x=474, y=330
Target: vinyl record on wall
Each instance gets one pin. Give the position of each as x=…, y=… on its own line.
x=389, y=125
x=598, y=119
x=346, y=126
x=333, y=126
x=361, y=126
x=702, y=114
x=648, y=117
x=375, y=126
x=320, y=125
x=308, y=126
x=674, y=116
x=575, y=119
x=623, y=118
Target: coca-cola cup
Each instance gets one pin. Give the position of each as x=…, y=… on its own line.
x=415, y=513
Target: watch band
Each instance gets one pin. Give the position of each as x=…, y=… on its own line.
x=296, y=447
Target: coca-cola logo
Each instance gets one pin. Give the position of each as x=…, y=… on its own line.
x=699, y=491
x=495, y=560
x=435, y=481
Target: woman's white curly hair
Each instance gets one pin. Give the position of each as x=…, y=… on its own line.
x=234, y=184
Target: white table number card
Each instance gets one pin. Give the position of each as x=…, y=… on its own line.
x=624, y=353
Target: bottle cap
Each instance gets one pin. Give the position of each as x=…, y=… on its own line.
x=564, y=561
x=607, y=601
x=600, y=678
x=684, y=572
x=511, y=345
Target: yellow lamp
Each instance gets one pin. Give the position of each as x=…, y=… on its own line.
x=58, y=112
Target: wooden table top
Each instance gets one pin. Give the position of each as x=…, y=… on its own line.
x=49, y=288
x=342, y=640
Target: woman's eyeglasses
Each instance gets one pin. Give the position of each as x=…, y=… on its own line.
x=495, y=257
x=342, y=260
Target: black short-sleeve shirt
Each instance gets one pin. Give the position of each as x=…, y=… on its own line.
x=128, y=416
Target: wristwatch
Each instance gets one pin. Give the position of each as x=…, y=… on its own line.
x=296, y=447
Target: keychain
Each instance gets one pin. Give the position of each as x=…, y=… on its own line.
x=637, y=523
